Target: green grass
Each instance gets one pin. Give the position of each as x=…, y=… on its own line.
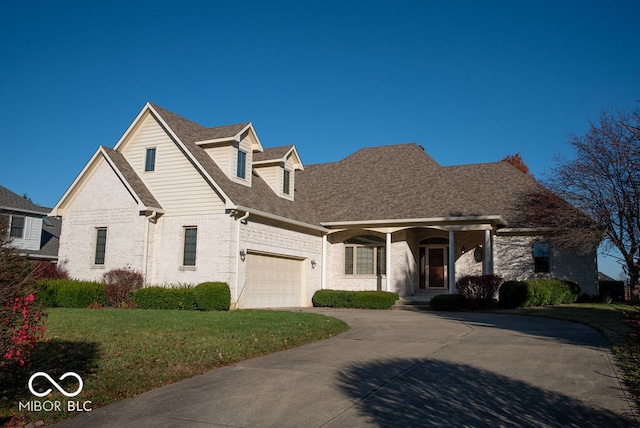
x=122, y=353
x=619, y=323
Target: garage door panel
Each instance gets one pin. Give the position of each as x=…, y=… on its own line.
x=272, y=281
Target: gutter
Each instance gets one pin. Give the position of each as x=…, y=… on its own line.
x=280, y=218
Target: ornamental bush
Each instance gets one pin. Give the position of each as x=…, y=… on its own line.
x=354, y=299
x=119, y=285
x=212, y=296
x=21, y=319
x=479, y=291
x=539, y=292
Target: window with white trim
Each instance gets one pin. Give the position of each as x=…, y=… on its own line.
x=190, y=245
x=365, y=255
x=150, y=160
x=286, y=182
x=241, y=166
x=17, y=226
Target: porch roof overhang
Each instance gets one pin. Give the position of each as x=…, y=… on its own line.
x=450, y=223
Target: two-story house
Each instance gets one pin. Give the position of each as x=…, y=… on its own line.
x=184, y=204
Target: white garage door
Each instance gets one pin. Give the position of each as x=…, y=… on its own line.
x=272, y=282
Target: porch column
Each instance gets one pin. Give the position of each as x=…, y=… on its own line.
x=452, y=264
x=488, y=253
x=323, y=272
x=388, y=261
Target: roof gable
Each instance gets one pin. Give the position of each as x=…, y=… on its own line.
x=274, y=155
x=128, y=177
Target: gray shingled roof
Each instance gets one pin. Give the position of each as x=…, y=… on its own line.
x=378, y=183
x=272, y=153
x=259, y=196
x=191, y=132
x=12, y=201
x=136, y=183
x=389, y=182
x=500, y=187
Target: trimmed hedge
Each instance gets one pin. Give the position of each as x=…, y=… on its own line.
x=213, y=296
x=165, y=298
x=207, y=296
x=448, y=302
x=540, y=292
x=67, y=293
x=354, y=299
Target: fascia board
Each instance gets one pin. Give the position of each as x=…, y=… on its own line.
x=420, y=221
x=122, y=139
x=294, y=152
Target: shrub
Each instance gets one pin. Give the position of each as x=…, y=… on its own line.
x=119, y=285
x=448, y=302
x=513, y=294
x=542, y=292
x=165, y=298
x=48, y=270
x=21, y=320
x=479, y=291
x=354, y=299
x=68, y=293
x=212, y=296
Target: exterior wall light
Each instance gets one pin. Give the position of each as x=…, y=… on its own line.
x=313, y=264
x=243, y=254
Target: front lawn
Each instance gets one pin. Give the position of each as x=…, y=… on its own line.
x=121, y=353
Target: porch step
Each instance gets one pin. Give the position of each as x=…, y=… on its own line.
x=419, y=301
x=411, y=305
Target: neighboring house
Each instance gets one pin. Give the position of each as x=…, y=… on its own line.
x=184, y=204
x=32, y=233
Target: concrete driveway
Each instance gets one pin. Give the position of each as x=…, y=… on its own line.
x=402, y=368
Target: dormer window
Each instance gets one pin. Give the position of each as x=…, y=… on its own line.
x=241, y=168
x=286, y=182
x=150, y=160
x=17, y=226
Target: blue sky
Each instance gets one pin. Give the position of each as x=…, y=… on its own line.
x=471, y=81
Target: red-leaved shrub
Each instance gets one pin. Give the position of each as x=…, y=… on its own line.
x=119, y=285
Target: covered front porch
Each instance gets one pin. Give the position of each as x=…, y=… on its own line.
x=418, y=257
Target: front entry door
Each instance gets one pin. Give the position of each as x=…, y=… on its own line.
x=432, y=267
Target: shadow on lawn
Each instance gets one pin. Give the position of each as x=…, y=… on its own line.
x=54, y=357
x=405, y=392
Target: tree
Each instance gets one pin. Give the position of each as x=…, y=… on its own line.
x=603, y=182
x=517, y=161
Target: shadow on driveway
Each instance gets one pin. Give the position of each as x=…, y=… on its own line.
x=440, y=394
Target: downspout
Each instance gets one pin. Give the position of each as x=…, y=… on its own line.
x=240, y=220
x=145, y=256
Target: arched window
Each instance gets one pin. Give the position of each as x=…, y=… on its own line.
x=365, y=255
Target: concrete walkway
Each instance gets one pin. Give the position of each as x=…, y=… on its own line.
x=401, y=369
